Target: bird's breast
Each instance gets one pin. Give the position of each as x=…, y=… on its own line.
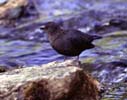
x=65, y=47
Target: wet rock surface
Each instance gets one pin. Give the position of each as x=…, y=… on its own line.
x=12, y=9
x=53, y=81
x=12, y=12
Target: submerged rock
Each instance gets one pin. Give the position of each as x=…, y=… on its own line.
x=53, y=81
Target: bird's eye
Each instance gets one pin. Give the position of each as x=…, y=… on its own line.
x=43, y=27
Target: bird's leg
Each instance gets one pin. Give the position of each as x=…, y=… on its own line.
x=65, y=58
x=77, y=59
x=75, y=62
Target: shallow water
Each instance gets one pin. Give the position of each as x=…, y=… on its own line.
x=26, y=52
x=29, y=53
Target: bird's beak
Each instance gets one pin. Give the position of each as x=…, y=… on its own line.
x=42, y=27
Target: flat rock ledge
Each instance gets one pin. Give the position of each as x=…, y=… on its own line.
x=53, y=81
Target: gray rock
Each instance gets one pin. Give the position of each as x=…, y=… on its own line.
x=53, y=81
x=12, y=9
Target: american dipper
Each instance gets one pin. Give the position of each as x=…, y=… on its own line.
x=69, y=42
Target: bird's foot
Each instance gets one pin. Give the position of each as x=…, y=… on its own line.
x=73, y=63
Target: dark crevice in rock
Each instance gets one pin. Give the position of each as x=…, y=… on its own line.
x=37, y=91
x=80, y=88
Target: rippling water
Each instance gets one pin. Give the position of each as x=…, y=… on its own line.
x=26, y=52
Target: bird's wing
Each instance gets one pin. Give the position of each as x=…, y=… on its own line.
x=85, y=37
x=79, y=39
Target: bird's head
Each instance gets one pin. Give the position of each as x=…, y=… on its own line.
x=50, y=27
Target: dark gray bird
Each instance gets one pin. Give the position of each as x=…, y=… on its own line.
x=69, y=42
